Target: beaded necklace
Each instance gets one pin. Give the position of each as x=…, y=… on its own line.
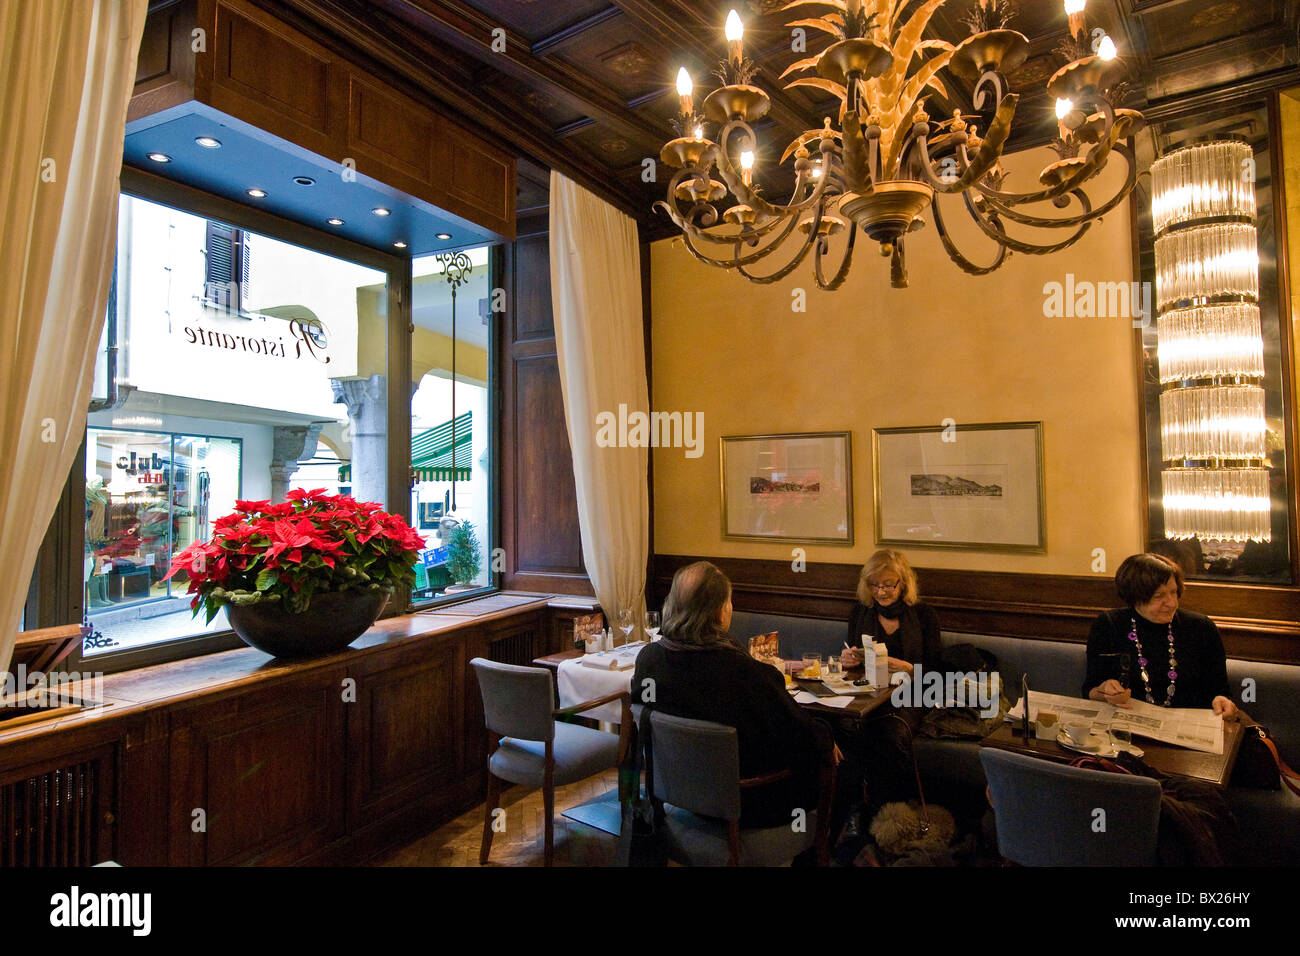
x=1142, y=664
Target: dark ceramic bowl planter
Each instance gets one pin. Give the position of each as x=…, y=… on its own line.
x=331, y=622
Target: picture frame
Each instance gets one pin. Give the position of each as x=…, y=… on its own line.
x=974, y=487
x=793, y=488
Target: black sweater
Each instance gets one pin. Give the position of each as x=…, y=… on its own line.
x=729, y=687
x=916, y=640
x=1202, y=665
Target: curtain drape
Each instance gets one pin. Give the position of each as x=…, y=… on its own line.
x=599, y=337
x=66, y=73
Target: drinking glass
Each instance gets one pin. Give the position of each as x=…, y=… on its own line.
x=625, y=622
x=1122, y=738
x=833, y=666
x=812, y=665
x=652, y=624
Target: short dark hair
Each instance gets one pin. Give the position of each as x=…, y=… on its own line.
x=694, y=605
x=1141, y=575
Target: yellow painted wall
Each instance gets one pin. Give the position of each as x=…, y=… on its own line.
x=975, y=349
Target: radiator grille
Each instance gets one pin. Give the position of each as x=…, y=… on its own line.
x=50, y=819
x=514, y=648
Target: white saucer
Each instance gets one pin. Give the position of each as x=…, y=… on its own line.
x=1097, y=745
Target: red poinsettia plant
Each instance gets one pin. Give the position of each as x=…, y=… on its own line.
x=312, y=543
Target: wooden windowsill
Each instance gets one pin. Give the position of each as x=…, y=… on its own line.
x=212, y=676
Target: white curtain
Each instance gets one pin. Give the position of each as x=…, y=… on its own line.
x=596, y=294
x=66, y=72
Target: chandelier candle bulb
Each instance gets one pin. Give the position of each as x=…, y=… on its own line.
x=1106, y=49
x=735, y=37
x=1078, y=20
x=684, y=89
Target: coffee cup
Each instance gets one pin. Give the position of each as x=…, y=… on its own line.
x=1047, y=726
x=1078, y=731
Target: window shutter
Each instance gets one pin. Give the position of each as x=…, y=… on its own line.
x=226, y=268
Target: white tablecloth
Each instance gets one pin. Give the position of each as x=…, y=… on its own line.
x=578, y=682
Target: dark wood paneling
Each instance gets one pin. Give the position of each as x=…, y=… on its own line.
x=271, y=76
x=165, y=67
x=405, y=731
x=389, y=130
x=480, y=178
x=1257, y=623
x=546, y=518
x=539, y=505
x=268, y=774
x=534, y=318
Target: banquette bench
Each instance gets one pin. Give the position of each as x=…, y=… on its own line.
x=1269, y=820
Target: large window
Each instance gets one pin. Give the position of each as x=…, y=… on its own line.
x=236, y=366
x=450, y=447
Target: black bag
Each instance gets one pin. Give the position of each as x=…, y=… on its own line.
x=1259, y=766
x=640, y=837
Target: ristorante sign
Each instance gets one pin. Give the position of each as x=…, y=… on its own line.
x=305, y=338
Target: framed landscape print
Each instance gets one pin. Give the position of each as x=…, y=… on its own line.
x=791, y=488
x=961, y=486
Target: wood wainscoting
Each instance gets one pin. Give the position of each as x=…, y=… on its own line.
x=1257, y=623
x=235, y=759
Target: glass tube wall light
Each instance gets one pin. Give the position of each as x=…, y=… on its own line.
x=1212, y=406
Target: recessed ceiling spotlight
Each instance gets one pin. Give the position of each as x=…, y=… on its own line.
x=257, y=193
x=444, y=235
x=381, y=211
x=208, y=142
x=399, y=244
x=335, y=222
x=160, y=157
x=304, y=181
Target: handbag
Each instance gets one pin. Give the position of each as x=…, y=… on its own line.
x=1259, y=766
x=641, y=838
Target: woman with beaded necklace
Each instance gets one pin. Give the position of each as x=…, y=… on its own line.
x=1153, y=651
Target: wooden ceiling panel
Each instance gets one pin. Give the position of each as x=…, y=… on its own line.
x=587, y=85
x=1182, y=25
x=537, y=20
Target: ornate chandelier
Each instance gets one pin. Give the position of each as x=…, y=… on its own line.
x=1211, y=350
x=886, y=160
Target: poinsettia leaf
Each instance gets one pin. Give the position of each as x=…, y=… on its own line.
x=267, y=579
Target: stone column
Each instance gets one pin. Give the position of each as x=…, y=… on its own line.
x=290, y=444
x=367, y=403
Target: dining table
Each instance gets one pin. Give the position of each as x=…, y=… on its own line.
x=576, y=682
x=1171, y=759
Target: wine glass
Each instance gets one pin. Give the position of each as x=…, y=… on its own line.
x=625, y=623
x=652, y=624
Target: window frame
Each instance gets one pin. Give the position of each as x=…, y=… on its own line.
x=58, y=594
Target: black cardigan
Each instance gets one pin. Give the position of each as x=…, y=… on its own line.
x=729, y=687
x=1202, y=664
x=916, y=640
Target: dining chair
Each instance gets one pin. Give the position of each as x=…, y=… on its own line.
x=1051, y=814
x=693, y=769
x=528, y=745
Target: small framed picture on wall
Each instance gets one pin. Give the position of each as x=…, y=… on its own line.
x=794, y=488
x=977, y=487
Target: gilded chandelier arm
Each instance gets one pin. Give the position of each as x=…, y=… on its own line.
x=838, y=279
x=955, y=254
x=985, y=159
x=1130, y=180
x=992, y=227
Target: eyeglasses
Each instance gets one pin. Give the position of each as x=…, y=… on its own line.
x=882, y=586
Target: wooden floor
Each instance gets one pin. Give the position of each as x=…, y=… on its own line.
x=457, y=843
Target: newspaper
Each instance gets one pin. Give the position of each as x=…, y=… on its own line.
x=1193, y=728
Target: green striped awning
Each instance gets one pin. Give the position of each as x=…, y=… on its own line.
x=431, y=452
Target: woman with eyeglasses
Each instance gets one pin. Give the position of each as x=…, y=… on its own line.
x=878, y=750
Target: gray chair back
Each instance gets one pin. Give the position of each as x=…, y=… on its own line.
x=517, y=701
x=1050, y=814
x=695, y=765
